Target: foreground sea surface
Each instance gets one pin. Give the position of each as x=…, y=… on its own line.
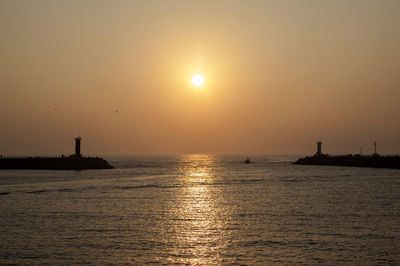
x=201, y=209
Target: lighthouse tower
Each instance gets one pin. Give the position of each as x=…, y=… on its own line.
x=319, y=148
x=78, y=147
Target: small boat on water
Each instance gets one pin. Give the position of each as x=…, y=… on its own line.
x=247, y=161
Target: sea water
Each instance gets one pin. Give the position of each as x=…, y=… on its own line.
x=201, y=209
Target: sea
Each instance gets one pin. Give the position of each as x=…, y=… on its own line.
x=201, y=209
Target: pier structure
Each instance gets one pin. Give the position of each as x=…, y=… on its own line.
x=73, y=162
x=356, y=160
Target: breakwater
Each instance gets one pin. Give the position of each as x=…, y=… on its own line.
x=73, y=162
x=54, y=163
x=374, y=161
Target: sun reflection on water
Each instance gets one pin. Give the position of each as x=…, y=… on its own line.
x=197, y=214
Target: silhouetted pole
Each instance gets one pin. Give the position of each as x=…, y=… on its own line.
x=375, y=147
x=78, y=147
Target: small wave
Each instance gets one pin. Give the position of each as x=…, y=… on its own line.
x=150, y=186
x=375, y=236
x=262, y=243
x=250, y=180
x=37, y=191
x=103, y=230
x=293, y=180
x=66, y=190
x=326, y=234
x=143, y=186
x=4, y=193
x=237, y=181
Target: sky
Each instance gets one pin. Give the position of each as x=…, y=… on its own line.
x=279, y=76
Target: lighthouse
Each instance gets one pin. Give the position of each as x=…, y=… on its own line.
x=319, y=148
x=78, y=147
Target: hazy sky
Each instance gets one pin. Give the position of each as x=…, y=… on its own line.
x=279, y=75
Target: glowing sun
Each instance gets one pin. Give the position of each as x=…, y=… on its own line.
x=198, y=80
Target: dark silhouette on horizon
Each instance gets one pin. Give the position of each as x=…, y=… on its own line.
x=73, y=162
x=358, y=160
x=78, y=147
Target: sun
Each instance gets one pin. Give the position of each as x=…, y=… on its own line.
x=198, y=80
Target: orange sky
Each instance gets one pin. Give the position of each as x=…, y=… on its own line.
x=279, y=75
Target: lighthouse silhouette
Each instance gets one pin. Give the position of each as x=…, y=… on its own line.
x=78, y=147
x=319, y=148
